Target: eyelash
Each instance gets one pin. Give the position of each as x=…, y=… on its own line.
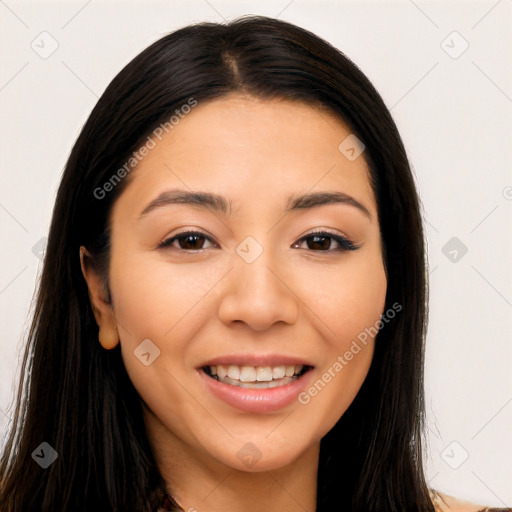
x=344, y=243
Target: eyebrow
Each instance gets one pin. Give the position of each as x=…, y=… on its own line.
x=206, y=200
x=218, y=203
x=314, y=199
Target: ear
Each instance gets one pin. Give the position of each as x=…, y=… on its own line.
x=102, y=309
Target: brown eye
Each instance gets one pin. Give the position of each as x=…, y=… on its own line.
x=187, y=241
x=191, y=242
x=322, y=241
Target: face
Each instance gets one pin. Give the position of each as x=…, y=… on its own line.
x=251, y=303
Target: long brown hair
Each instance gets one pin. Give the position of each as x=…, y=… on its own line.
x=78, y=398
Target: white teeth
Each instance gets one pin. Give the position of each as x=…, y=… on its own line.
x=278, y=372
x=259, y=385
x=222, y=372
x=234, y=372
x=248, y=374
x=264, y=374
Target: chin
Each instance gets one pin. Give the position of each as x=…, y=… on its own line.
x=264, y=464
x=261, y=455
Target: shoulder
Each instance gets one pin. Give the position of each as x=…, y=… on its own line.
x=445, y=503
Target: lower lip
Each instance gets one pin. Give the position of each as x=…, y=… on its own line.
x=256, y=400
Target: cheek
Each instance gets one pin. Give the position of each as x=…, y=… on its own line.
x=359, y=303
x=349, y=311
x=153, y=299
x=167, y=305
x=158, y=311
x=347, y=299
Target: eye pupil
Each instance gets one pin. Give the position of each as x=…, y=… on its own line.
x=314, y=241
x=190, y=240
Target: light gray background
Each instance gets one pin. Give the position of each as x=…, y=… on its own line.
x=453, y=111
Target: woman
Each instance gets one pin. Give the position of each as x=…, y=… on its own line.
x=232, y=309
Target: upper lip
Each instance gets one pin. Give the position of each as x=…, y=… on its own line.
x=256, y=360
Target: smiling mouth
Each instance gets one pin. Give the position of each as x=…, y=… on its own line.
x=256, y=377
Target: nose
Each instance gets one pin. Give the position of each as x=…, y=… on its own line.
x=259, y=294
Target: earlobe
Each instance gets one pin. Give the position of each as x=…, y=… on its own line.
x=102, y=309
x=108, y=336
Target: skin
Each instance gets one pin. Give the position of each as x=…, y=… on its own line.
x=447, y=503
x=196, y=305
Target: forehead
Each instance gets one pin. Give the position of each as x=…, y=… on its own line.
x=249, y=148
